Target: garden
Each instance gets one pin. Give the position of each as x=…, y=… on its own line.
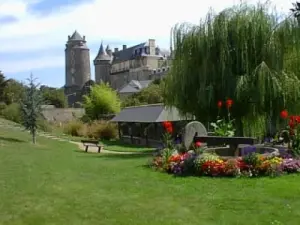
x=199, y=161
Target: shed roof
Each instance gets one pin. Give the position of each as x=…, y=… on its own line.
x=135, y=86
x=149, y=114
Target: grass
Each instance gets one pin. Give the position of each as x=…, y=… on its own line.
x=113, y=145
x=55, y=183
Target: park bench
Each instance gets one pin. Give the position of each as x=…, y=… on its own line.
x=88, y=143
x=233, y=142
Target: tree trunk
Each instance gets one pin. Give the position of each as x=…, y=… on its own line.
x=33, y=136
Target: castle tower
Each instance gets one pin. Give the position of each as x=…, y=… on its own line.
x=77, y=55
x=102, y=65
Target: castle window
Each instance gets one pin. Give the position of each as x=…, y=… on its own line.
x=141, y=50
x=146, y=50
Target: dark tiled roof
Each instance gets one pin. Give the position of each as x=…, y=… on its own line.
x=148, y=114
x=135, y=86
x=126, y=54
x=76, y=36
x=102, y=55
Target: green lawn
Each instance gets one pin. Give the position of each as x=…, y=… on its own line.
x=54, y=183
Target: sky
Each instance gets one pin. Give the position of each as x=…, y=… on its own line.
x=33, y=33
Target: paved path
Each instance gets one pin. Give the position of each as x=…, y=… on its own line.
x=48, y=135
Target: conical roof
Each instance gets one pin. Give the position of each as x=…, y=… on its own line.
x=76, y=36
x=102, y=55
x=107, y=48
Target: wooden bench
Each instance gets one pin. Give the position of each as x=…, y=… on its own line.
x=233, y=142
x=94, y=143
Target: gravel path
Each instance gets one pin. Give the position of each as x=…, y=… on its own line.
x=48, y=135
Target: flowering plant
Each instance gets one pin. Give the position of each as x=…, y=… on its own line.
x=292, y=132
x=208, y=164
x=224, y=127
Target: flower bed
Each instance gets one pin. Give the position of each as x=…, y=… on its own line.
x=208, y=164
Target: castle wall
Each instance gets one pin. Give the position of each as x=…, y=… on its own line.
x=120, y=79
x=62, y=115
x=83, y=66
x=102, y=73
x=77, y=58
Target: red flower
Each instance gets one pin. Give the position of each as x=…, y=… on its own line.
x=229, y=103
x=220, y=103
x=284, y=114
x=198, y=144
x=168, y=126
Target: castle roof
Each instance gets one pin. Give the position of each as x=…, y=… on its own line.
x=76, y=36
x=126, y=54
x=102, y=55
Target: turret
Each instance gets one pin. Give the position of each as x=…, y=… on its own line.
x=102, y=65
x=77, y=54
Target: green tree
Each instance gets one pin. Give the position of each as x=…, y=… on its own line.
x=243, y=53
x=54, y=96
x=31, y=107
x=13, y=92
x=150, y=95
x=102, y=100
x=3, y=84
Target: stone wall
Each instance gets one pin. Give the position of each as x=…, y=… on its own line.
x=62, y=115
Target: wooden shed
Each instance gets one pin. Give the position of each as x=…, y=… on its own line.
x=142, y=125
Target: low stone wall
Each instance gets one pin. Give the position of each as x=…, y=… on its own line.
x=62, y=115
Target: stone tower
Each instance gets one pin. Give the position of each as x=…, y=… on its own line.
x=78, y=68
x=102, y=64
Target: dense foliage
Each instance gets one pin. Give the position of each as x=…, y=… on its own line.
x=102, y=100
x=54, y=96
x=150, y=95
x=244, y=53
x=31, y=107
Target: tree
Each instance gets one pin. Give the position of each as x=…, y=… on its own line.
x=31, y=107
x=150, y=95
x=54, y=96
x=102, y=100
x=296, y=10
x=13, y=92
x=3, y=84
x=243, y=53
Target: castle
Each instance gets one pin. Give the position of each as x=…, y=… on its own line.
x=127, y=70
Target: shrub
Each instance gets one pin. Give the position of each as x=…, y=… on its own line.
x=102, y=130
x=74, y=128
x=12, y=112
x=44, y=125
x=2, y=107
x=108, y=131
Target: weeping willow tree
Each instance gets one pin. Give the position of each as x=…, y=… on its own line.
x=244, y=53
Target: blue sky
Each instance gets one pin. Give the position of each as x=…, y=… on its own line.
x=33, y=33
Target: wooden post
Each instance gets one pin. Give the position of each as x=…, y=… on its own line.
x=119, y=130
x=130, y=133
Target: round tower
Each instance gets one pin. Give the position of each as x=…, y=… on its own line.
x=77, y=54
x=102, y=64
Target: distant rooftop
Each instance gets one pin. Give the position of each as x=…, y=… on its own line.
x=135, y=86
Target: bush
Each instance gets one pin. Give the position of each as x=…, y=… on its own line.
x=12, y=112
x=96, y=130
x=109, y=131
x=44, y=125
x=74, y=128
x=102, y=130
x=2, y=107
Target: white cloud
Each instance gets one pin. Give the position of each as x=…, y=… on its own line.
x=131, y=20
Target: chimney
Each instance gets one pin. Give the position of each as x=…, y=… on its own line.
x=152, y=46
x=116, y=49
x=83, y=38
x=124, y=47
